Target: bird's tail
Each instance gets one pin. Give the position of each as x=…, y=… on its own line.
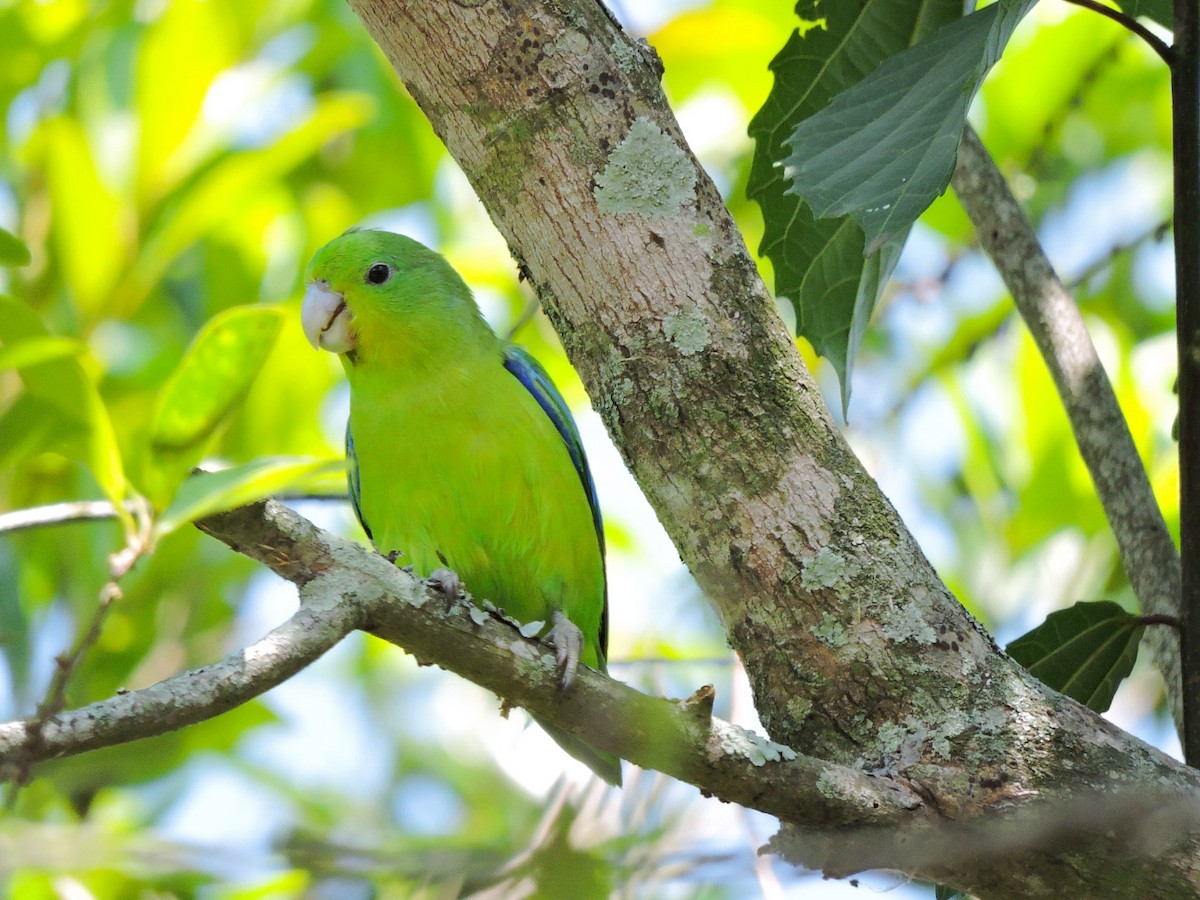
x=603, y=764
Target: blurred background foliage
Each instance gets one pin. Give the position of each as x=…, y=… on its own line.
x=167, y=160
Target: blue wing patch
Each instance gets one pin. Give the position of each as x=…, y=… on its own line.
x=530, y=373
x=353, y=481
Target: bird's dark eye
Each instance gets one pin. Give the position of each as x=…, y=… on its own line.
x=379, y=273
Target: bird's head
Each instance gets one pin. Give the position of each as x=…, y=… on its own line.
x=382, y=294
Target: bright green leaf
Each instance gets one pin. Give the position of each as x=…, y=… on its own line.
x=883, y=150
x=819, y=265
x=35, y=350
x=13, y=251
x=214, y=374
x=61, y=383
x=234, y=182
x=208, y=384
x=87, y=216
x=206, y=493
x=1085, y=651
x=181, y=56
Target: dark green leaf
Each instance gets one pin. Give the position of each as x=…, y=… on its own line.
x=1084, y=651
x=1158, y=10
x=13, y=251
x=884, y=150
x=819, y=265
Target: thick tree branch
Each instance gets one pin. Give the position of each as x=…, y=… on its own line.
x=1147, y=551
x=839, y=819
x=344, y=587
x=856, y=651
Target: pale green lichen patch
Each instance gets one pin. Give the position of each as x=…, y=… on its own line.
x=904, y=622
x=688, y=331
x=798, y=708
x=829, y=631
x=900, y=745
x=754, y=747
x=827, y=569
x=648, y=173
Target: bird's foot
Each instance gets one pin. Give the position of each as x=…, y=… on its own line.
x=446, y=581
x=568, y=647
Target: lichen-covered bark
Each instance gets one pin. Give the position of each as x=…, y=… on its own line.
x=856, y=651
x=344, y=586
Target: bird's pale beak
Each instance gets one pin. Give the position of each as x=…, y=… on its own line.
x=325, y=319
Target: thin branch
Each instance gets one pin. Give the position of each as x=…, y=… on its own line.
x=1147, y=551
x=58, y=514
x=1156, y=233
x=1156, y=44
x=55, y=514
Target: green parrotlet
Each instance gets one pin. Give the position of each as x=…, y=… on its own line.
x=461, y=452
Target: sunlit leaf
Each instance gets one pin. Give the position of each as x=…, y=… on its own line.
x=1085, y=651
x=819, y=265
x=209, y=382
x=214, y=374
x=13, y=251
x=183, y=52
x=205, y=493
x=35, y=350
x=88, y=226
x=61, y=383
x=233, y=182
x=883, y=150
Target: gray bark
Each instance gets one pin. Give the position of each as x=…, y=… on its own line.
x=856, y=651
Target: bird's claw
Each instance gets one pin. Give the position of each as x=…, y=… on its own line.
x=446, y=581
x=568, y=648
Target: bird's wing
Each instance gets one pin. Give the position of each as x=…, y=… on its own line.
x=353, y=480
x=530, y=373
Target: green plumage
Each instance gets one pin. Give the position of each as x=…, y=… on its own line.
x=461, y=452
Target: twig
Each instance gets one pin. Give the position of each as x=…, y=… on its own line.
x=523, y=319
x=1156, y=44
x=1147, y=552
x=54, y=514
x=137, y=544
x=59, y=514
x=1157, y=233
